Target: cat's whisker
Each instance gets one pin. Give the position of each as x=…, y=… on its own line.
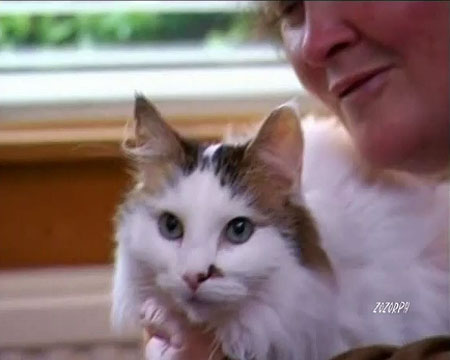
x=215, y=347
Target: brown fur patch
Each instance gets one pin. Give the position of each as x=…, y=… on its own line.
x=156, y=175
x=158, y=172
x=270, y=193
x=272, y=196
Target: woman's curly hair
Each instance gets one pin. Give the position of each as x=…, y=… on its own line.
x=268, y=19
x=269, y=16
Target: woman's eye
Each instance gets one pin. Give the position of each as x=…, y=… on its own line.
x=239, y=230
x=170, y=226
x=292, y=12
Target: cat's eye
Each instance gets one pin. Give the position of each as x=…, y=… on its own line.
x=239, y=230
x=170, y=226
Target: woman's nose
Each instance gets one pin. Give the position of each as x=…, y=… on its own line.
x=326, y=33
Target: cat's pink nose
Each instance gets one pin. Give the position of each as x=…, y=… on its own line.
x=194, y=280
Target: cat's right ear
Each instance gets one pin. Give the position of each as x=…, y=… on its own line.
x=153, y=136
x=278, y=146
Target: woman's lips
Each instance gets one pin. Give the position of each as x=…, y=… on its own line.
x=351, y=84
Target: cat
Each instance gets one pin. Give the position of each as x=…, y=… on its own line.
x=286, y=247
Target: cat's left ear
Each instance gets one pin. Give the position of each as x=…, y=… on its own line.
x=278, y=146
x=153, y=133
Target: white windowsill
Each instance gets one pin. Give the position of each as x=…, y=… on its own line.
x=91, y=7
x=107, y=94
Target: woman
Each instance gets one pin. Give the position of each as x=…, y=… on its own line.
x=383, y=68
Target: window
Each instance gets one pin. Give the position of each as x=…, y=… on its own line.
x=68, y=32
x=56, y=55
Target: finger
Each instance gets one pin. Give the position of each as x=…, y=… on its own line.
x=166, y=329
x=172, y=341
x=159, y=333
x=159, y=323
x=176, y=341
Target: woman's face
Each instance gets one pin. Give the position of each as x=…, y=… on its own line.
x=383, y=67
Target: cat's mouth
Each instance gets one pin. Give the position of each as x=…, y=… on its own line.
x=203, y=302
x=212, y=296
x=195, y=300
x=199, y=310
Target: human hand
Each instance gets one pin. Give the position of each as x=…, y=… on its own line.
x=170, y=337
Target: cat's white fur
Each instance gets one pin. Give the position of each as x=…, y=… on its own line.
x=387, y=239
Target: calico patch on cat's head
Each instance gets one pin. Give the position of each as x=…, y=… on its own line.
x=213, y=222
x=277, y=151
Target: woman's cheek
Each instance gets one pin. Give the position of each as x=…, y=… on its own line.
x=315, y=82
x=313, y=79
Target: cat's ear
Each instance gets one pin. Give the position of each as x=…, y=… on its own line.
x=278, y=146
x=152, y=133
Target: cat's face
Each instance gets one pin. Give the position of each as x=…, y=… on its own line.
x=212, y=223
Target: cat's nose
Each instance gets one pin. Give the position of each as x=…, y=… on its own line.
x=195, y=279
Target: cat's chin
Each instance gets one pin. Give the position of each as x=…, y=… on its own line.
x=196, y=317
x=203, y=312
x=197, y=312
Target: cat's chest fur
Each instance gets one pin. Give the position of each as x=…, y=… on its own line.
x=387, y=236
x=273, y=294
